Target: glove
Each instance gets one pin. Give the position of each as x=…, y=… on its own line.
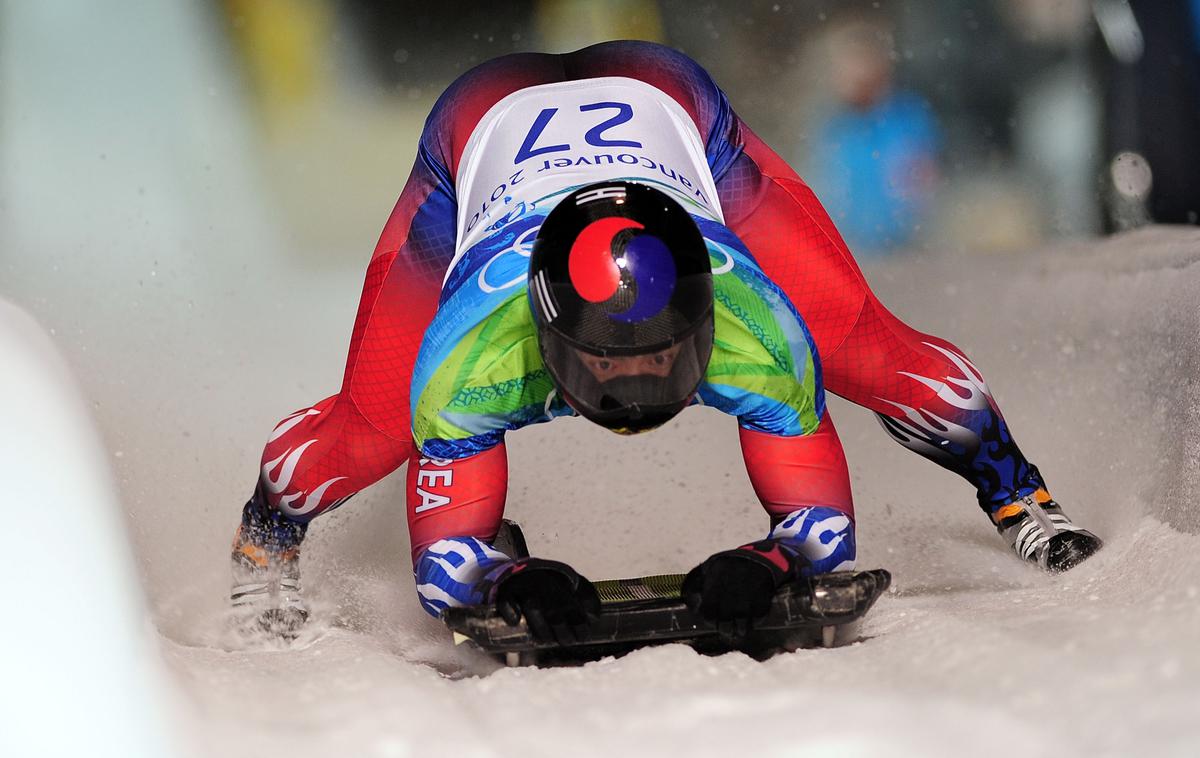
x=734, y=588
x=557, y=603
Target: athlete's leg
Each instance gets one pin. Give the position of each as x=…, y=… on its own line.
x=926, y=392
x=929, y=396
x=319, y=456
x=316, y=458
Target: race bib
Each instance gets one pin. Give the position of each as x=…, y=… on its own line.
x=537, y=142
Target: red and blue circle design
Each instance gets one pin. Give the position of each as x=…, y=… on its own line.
x=598, y=268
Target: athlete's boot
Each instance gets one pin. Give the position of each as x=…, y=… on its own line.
x=266, y=570
x=1039, y=532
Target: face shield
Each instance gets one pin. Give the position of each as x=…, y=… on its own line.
x=629, y=393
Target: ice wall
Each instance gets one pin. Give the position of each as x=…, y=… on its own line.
x=82, y=675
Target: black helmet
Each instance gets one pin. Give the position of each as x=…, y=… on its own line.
x=622, y=293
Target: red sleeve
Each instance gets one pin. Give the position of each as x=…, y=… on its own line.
x=455, y=498
x=788, y=473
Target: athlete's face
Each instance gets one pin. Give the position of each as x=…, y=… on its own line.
x=613, y=367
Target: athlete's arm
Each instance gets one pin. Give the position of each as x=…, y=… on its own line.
x=454, y=512
x=788, y=473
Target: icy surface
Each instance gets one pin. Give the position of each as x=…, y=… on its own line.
x=1092, y=355
x=134, y=227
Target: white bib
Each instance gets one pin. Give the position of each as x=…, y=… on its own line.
x=540, y=140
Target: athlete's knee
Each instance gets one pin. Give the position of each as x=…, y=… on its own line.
x=296, y=477
x=898, y=371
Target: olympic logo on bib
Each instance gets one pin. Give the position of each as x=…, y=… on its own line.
x=522, y=246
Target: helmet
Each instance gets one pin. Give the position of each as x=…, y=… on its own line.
x=621, y=289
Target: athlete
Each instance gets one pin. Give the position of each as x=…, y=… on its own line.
x=598, y=233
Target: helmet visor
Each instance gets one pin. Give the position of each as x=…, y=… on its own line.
x=629, y=393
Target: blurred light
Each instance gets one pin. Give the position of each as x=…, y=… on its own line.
x=1131, y=175
x=1120, y=30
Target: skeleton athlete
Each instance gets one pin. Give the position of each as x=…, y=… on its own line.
x=598, y=233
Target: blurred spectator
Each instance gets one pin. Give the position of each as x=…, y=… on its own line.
x=874, y=155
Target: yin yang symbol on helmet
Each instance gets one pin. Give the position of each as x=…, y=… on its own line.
x=643, y=263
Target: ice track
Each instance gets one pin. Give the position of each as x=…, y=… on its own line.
x=1092, y=356
x=135, y=229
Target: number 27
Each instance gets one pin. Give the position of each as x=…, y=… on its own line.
x=593, y=136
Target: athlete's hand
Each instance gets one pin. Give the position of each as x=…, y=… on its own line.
x=556, y=602
x=734, y=588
